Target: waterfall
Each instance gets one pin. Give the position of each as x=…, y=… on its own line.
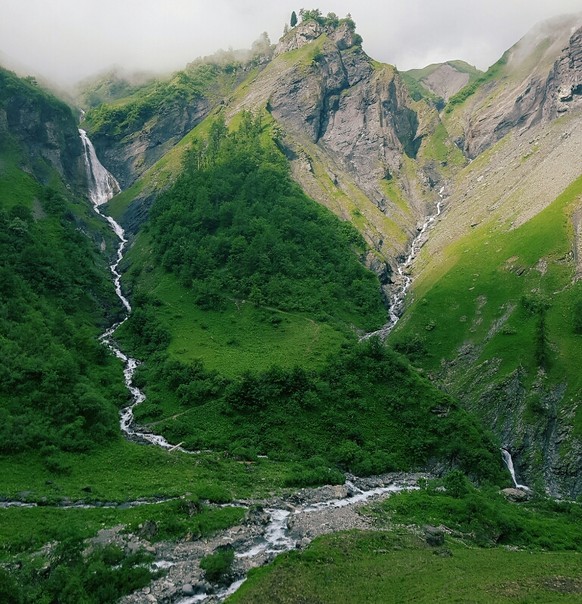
x=102, y=187
x=509, y=463
x=102, y=184
x=397, y=298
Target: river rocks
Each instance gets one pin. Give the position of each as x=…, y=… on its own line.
x=271, y=527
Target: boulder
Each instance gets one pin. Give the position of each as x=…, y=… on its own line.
x=434, y=536
x=515, y=495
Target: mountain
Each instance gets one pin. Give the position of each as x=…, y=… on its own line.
x=440, y=81
x=346, y=124
x=280, y=205
x=494, y=306
x=360, y=144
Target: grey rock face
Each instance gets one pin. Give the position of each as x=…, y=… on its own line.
x=445, y=81
x=565, y=79
x=357, y=113
x=129, y=158
x=46, y=132
x=530, y=94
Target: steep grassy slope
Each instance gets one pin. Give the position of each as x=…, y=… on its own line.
x=372, y=567
x=59, y=389
x=240, y=258
x=493, y=307
x=497, y=320
x=485, y=549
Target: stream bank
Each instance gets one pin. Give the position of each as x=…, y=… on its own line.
x=271, y=527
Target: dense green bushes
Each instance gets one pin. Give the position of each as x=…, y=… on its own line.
x=120, y=118
x=484, y=516
x=235, y=226
x=55, y=377
x=70, y=577
x=216, y=566
x=366, y=412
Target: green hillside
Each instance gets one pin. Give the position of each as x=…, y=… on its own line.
x=59, y=389
x=498, y=320
x=249, y=296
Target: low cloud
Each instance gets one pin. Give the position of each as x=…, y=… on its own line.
x=67, y=40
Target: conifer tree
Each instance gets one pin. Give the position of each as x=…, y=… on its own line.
x=293, y=19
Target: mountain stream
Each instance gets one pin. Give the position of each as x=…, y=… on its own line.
x=102, y=187
x=404, y=278
x=286, y=523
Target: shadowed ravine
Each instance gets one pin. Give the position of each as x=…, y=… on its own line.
x=404, y=278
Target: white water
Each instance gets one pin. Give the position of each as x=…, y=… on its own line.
x=277, y=538
x=102, y=187
x=509, y=463
x=403, y=270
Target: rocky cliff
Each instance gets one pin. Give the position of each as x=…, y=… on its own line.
x=43, y=128
x=538, y=79
x=350, y=130
x=129, y=157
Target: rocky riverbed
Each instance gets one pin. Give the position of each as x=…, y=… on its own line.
x=270, y=527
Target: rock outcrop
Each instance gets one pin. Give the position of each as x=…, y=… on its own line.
x=565, y=79
x=44, y=128
x=128, y=158
x=348, y=127
x=539, y=81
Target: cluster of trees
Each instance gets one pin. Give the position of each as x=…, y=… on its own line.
x=329, y=20
x=538, y=306
x=56, y=389
x=236, y=226
x=102, y=576
x=118, y=107
x=366, y=412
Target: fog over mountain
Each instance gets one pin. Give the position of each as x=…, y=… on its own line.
x=67, y=40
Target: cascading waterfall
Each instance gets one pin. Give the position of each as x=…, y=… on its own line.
x=509, y=463
x=102, y=187
x=403, y=270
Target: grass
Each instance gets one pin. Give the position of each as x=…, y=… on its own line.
x=495, y=71
x=239, y=338
x=31, y=528
x=398, y=567
x=439, y=147
x=476, y=296
x=122, y=471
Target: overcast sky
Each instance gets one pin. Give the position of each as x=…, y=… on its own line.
x=66, y=40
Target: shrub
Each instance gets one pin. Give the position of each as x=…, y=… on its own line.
x=217, y=566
